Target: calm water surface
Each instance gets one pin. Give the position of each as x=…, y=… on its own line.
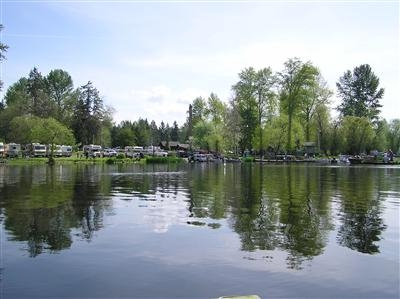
x=199, y=231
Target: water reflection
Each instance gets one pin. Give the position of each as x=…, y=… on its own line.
x=293, y=209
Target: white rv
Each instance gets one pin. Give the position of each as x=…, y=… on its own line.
x=12, y=150
x=92, y=150
x=57, y=152
x=66, y=150
x=1, y=149
x=36, y=150
x=133, y=151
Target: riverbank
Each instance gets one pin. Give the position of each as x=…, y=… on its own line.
x=104, y=160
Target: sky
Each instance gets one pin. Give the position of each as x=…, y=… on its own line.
x=151, y=59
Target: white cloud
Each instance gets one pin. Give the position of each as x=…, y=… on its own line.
x=159, y=103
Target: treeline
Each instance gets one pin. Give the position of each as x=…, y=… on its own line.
x=280, y=112
x=49, y=109
x=269, y=112
x=52, y=103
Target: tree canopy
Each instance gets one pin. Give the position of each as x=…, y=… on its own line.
x=360, y=93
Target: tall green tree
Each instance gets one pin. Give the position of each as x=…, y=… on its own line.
x=358, y=134
x=246, y=103
x=50, y=131
x=360, y=93
x=215, y=109
x=314, y=96
x=88, y=115
x=231, y=129
x=154, y=133
x=41, y=105
x=294, y=80
x=258, y=87
x=199, y=110
x=394, y=135
x=175, y=132
x=142, y=132
x=123, y=134
x=21, y=128
x=16, y=103
x=60, y=89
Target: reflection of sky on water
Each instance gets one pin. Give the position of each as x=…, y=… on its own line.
x=157, y=226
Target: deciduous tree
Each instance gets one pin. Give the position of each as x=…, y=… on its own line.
x=294, y=80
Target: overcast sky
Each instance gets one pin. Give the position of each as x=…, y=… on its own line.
x=150, y=59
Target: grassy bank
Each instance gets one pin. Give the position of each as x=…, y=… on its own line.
x=106, y=160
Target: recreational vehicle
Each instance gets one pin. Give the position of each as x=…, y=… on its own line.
x=92, y=150
x=66, y=150
x=12, y=150
x=57, y=152
x=35, y=150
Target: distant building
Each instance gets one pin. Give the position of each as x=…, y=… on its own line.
x=310, y=148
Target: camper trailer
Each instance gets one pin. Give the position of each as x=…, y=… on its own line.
x=12, y=150
x=57, y=152
x=35, y=150
x=92, y=150
x=66, y=150
x=134, y=151
x=1, y=149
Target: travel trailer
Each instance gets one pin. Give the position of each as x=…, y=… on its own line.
x=92, y=150
x=66, y=150
x=57, y=152
x=36, y=150
x=134, y=151
x=1, y=149
x=12, y=150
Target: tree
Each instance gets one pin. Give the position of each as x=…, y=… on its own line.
x=247, y=106
x=201, y=133
x=275, y=134
x=154, y=133
x=88, y=115
x=315, y=96
x=142, y=132
x=199, y=110
x=21, y=128
x=321, y=120
x=50, y=131
x=357, y=133
x=231, y=129
x=295, y=79
x=3, y=49
x=40, y=105
x=381, y=132
x=60, y=90
x=17, y=103
x=123, y=135
x=360, y=93
x=394, y=135
x=215, y=109
x=257, y=87
x=175, y=132
x=26, y=129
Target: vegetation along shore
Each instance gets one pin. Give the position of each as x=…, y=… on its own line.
x=287, y=112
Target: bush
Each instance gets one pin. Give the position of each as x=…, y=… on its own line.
x=151, y=159
x=248, y=159
x=110, y=161
x=120, y=156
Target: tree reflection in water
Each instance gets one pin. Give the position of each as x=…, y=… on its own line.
x=290, y=208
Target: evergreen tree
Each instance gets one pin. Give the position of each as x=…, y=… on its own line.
x=360, y=93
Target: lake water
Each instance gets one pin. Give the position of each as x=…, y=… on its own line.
x=199, y=231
